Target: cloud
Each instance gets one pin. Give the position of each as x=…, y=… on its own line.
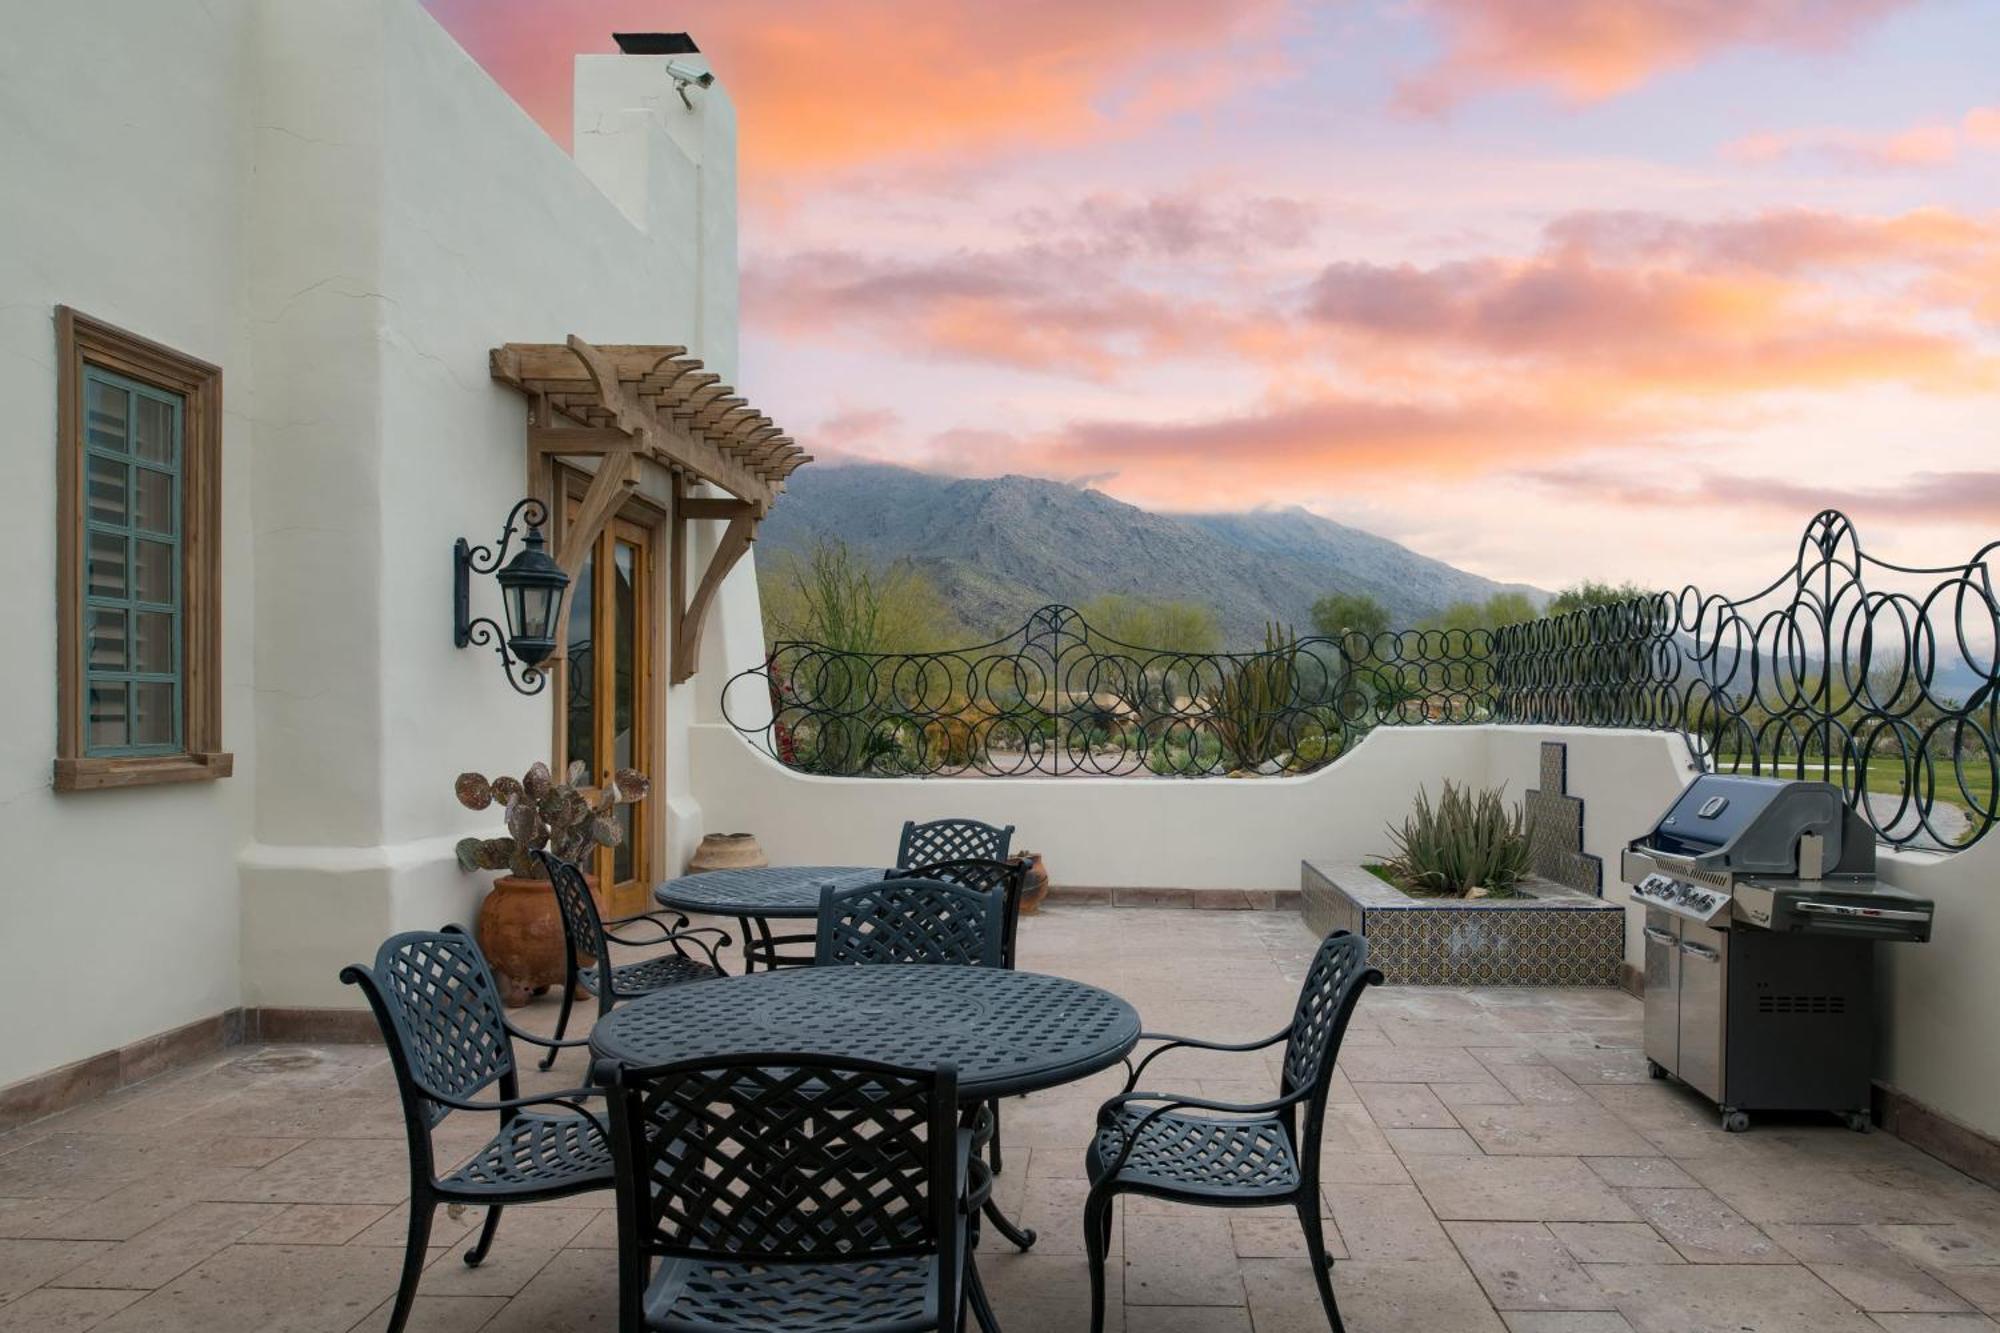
x=1590, y=50
x=1969, y=496
x=823, y=85
x=1916, y=147
x=856, y=426
x=1058, y=296
x=1654, y=304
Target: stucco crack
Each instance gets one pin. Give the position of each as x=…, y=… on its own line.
x=304, y=138
x=310, y=288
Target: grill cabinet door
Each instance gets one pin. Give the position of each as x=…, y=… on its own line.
x=1663, y=983
x=1704, y=961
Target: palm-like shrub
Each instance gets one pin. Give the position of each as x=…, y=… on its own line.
x=1467, y=840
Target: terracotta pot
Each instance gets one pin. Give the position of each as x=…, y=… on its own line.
x=521, y=934
x=1036, y=886
x=727, y=851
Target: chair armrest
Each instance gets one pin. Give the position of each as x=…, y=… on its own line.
x=1175, y=1102
x=566, y=1098
x=1172, y=1042
x=551, y=1043
x=680, y=919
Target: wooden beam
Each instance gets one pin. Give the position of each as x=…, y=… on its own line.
x=582, y=440
x=615, y=480
x=735, y=543
x=701, y=507
x=515, y=362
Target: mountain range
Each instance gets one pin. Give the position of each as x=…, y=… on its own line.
x=1000, y=547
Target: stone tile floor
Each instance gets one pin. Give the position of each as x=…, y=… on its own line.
x=1495, y=1159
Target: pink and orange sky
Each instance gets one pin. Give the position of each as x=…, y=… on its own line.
x=1550, y=289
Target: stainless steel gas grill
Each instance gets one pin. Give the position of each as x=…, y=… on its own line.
x=1762, y=913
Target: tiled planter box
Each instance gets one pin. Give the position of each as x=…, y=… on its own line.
x=1553, y=936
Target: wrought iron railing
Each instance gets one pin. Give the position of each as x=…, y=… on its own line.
x=1878, y=676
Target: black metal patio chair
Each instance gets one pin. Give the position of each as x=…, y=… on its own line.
x=1006, y=880
x=1227, y=1155
x=784, y=1192
x=449, y=1040
x=951, y=840
x=908, y=921
x=1002, y=878
x=588, y=937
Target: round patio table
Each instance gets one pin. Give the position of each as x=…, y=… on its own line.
x=1007, y=1032
x=761, y=896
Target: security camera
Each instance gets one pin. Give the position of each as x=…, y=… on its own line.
x=683, y=75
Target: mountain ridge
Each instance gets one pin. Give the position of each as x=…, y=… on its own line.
x=999, y=547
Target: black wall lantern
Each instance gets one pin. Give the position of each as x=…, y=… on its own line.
x=531, y=591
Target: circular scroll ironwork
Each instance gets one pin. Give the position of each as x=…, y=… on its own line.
x=1879, y=676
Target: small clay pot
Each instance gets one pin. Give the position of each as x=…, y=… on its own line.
x=520, y=932
x=1036, y=886
x=727, y=851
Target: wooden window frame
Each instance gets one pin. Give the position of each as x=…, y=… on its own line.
x=83, y=341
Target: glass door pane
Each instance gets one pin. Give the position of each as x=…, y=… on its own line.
x=580, y=731
x=625, y=564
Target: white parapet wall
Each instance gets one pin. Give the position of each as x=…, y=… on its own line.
x=1188, y=833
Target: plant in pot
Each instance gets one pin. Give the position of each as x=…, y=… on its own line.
x=520, y=926
x=1469, y=845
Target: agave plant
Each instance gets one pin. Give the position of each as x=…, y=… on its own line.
x=540, y=812
x=1466, y=841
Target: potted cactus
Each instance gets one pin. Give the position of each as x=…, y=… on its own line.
x=520, y=929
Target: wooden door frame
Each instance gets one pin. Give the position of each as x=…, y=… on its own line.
x=568, y=485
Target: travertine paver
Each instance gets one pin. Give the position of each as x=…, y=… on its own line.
x=1497, y=1162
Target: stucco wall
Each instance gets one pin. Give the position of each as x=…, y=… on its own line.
x=477, y=230
x=1939, y=998
x=335, y=204
x=125, y=162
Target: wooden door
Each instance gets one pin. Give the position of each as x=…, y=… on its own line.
x=608, y=699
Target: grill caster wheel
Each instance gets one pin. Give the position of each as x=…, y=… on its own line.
x=1735, y=1122
x=1654, y=1069
x=1858, y=1121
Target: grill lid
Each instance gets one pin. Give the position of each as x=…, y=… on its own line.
x=1753, y=826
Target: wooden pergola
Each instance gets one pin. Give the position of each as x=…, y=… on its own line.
x=619, y=404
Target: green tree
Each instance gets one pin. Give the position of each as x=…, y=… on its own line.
x=829, y=595
x=1589, y=593
x=1175, y=627
x=1340, y=613
x=1502, y=608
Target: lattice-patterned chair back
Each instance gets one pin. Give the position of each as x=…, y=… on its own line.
x=1003, y=879
x=583, y=924
x=1326, y=1001
x=441, y=1014
x=775, y=1158
x=909, y=921
x=952, y=840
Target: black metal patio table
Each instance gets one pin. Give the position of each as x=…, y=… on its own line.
x=1007, y=1032
x=761, y=896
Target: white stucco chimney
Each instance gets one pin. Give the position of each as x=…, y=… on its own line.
x=665, y=154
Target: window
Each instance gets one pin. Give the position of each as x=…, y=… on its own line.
x=139, y=438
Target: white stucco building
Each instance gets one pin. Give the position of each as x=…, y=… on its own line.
x=336, y=210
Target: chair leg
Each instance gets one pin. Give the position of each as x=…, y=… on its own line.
x=477, y=1254
x=1322, y=1266
x=1097, y=1242
x=993, y=1146
x=562, y=1019
x=421, y=1212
